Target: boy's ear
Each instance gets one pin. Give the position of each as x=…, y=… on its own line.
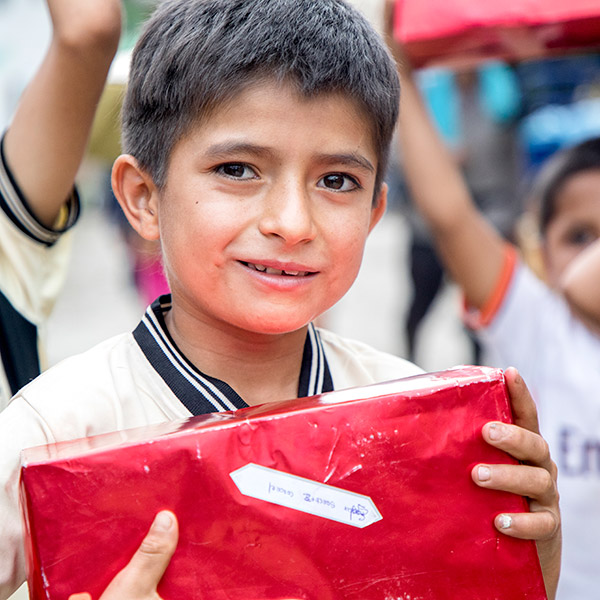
x=138, y=196
x=379, y=206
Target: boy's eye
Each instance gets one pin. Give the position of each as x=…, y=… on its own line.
x=237, y=171
x=338, y=182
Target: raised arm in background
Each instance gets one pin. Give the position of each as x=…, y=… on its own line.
x=47, y=137
x=473, y=252
x=471, y=249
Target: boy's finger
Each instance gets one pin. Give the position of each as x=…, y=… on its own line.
x=80, y=597
x=523, y=406
x=140, y=578
x=539, y=526
x=520, y=443
x=523, y=480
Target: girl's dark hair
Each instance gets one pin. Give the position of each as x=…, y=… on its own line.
x=194, y=55
x=555, y=173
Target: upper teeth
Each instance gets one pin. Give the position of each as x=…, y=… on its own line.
x=271, y=271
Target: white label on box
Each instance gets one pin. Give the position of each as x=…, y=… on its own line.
x=306, y=495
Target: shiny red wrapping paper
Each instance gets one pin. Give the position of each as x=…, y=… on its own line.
x=467, y=31
x=385, y=468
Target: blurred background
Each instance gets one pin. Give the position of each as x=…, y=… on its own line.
x=499, y=120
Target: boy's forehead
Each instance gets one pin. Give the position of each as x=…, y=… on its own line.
x=241, y=107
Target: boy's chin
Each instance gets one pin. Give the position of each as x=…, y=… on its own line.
x=274, y=326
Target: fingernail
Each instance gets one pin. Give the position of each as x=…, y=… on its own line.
x=517, y=376
x=483, y=473
x=497, y=431
x=163, y=521
x=504, y=521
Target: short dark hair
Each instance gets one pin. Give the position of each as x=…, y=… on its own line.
x=557, y=171
x=194, y=55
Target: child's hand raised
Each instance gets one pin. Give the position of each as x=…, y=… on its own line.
x=535, y=479
x=140, y=578
x=86, y=22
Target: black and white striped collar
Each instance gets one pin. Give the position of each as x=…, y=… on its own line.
x=201, y=393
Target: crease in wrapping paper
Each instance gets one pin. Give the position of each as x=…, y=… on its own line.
x=408, y=446
x=469, y=31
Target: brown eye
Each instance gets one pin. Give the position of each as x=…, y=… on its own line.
x=237, y=171
x=334, y=182
x=339, y=182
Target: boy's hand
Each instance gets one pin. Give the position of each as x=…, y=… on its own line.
x=140, y=578
x=535, y=478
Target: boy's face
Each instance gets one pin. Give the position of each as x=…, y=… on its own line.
x=575, y=225
x=266, y=209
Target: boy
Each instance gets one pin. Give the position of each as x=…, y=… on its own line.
x=40, y=155
x=549, y=330
x=256, y=133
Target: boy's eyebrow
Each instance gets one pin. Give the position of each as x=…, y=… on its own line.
x=225, y=149
x=351, y=159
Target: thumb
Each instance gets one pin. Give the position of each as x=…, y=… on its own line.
x=141, y=576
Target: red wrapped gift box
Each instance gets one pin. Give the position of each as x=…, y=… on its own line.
x=467, y=31
x=357, y=494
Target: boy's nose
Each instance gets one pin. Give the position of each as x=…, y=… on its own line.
x=288, y=214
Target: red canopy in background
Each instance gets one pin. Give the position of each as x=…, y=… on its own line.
x=468, y=31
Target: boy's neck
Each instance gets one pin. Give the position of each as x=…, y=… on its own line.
x=260, y=368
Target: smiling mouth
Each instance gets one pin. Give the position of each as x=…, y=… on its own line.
x=271, y=271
